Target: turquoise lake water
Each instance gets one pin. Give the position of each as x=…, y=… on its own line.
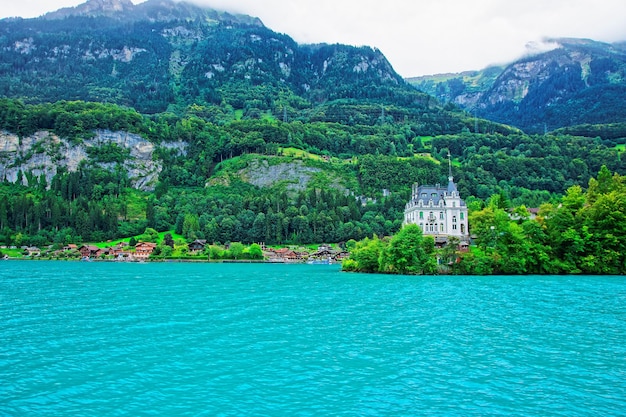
x=110, y=339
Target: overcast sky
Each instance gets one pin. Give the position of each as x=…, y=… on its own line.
x=418, y=37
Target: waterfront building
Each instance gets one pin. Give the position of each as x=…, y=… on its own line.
x=438, y=211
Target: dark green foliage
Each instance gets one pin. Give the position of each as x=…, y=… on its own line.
x=583, y=233
x=409, y=253
x=93, y=201
x=379, y=172
x=168, y=240
x=518, y=163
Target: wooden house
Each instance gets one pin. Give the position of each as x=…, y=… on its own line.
x=33, y=251
x=283, y=255
x=196, y=246
x=119, y=250
x=144, y=249
x=89, y=251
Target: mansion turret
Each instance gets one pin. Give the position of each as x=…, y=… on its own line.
x=438, y=211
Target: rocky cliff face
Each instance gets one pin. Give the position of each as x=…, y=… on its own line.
x=293, y=176
x=44, y=153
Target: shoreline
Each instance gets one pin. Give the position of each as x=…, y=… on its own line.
x=216, y=261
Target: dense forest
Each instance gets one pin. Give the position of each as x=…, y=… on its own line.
x=201, y=195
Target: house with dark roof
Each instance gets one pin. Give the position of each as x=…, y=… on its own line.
x=196, y=246
x=438, y=211
x=89, y=251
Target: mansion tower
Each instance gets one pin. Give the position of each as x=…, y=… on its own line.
x=438, y=211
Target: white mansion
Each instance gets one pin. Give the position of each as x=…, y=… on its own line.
x=439, y=211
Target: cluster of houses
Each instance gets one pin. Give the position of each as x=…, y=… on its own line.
x=121, y=251
x=143, y=250
x=324, y=253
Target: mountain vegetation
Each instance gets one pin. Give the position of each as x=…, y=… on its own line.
x=577, y=82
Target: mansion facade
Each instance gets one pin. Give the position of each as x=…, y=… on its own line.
x=438, y=211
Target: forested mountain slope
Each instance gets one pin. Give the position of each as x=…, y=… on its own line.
x=578, y=82
x=161, y=55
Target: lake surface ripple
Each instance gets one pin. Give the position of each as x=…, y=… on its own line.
x=109, y=339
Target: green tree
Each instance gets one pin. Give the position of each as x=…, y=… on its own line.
x=236, y=250
x=150, y=235
x=166, y=250
x=407, y=253
x=255, y=251
x=168, y=240
x=190, y=226
x=365, y=256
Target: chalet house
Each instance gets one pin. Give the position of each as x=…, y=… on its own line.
x=88, y=251
x=70, y=246
x=325, y=252
x=341, y=255
x=144, y=249
x=119, y=250
x=196, y=246
x=284, y=255
x=33, y=251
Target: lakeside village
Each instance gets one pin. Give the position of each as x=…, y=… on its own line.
x=198, y=250
x=438, y=211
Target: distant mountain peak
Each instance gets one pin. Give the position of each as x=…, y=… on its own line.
x=93, y=8
x=151, y=10
x=110, y=5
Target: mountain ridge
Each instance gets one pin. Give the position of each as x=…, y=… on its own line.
x=154, y=10
x=162, y=55
x=545, y=90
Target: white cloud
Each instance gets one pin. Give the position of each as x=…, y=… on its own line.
x=419, y=36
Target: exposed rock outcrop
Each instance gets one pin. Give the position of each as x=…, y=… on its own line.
x=295, y=175
x=44, y=153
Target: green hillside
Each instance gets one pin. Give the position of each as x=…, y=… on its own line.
x=169, y=116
